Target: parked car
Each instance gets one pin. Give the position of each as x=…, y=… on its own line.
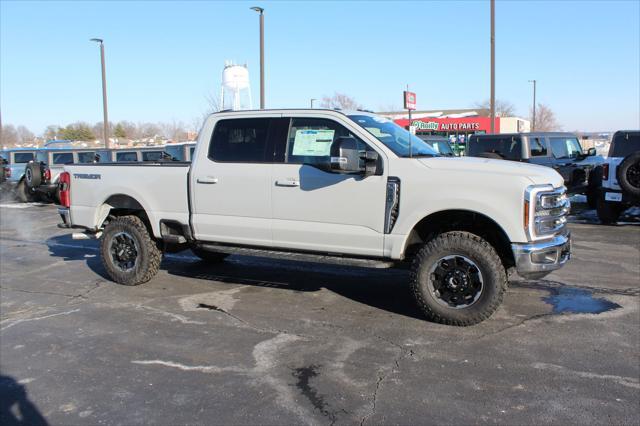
x=333, y=187
x=13, y=171
x=439, y=143
x=558, y=150
x=128, y=155
x=42, y=174
x=618, y=179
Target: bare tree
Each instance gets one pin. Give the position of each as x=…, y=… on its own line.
x=546, y=120
x=174, y=130
x=213, y=103
x=24, y=135
x=340, y=100
x=503, y=108
x=51, y=132
x=9, y=135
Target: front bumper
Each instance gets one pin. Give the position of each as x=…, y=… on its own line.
x=535, y=260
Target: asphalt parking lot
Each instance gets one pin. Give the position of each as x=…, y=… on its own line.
x=258, y=341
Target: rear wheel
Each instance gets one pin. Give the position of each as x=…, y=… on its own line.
x=608, y=212
x=23, y=193
x=458, y=279
x=128, y=252
x=209, y=256
x=33, y=174
x=629, y=174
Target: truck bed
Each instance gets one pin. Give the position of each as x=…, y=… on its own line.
x=161, y=188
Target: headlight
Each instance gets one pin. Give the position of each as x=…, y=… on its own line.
x=546, y=209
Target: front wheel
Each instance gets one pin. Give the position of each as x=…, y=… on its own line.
x=127, y=251
x=23, y=193
x=458, y=279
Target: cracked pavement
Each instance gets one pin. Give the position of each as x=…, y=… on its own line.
x=273, y=342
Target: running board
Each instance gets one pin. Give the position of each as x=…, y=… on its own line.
x=300, y=257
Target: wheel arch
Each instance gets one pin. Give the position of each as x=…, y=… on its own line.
x=121, y=205
x=460, y=220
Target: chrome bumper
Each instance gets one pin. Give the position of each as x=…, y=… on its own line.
x=66, y=219
x=535, y=260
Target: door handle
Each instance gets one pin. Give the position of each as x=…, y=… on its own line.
x=287, y=182
x=207, y=180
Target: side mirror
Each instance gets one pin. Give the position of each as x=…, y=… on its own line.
x=591, y=152
x=344, y=155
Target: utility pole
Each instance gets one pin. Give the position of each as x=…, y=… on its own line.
x=105, y=120
x=533, y=124
x=261, y=12
x=493, y=65
x=312, y=99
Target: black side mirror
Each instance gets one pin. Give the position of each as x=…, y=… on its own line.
x=344, y=155
x=591, y=152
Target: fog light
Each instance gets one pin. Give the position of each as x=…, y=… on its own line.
x=545, y=257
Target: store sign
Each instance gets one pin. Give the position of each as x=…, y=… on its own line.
x=410, y=100
x=425, y=125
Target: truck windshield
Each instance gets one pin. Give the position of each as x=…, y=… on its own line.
x=397, y=139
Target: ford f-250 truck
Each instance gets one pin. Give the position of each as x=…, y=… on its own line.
x=330, y=186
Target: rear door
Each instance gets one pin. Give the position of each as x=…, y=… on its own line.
x=565, y=150
x=231, y=182
x=321, y=211
x=538, y=151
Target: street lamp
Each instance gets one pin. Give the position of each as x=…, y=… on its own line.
x=493, y=65
x=533, y=124
x=261, y=12
x=105, y=122
x=312, y=99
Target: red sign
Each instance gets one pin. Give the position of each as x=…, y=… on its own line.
x=409, y=100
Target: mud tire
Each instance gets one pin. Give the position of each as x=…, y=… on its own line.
x=488, y=262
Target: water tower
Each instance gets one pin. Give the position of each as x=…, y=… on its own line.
x=235, y=92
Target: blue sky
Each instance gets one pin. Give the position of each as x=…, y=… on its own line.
x=163, y=58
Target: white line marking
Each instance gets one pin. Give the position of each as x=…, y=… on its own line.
x=38, y=318
x=624, y=381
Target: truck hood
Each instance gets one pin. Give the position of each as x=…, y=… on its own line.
x=538, y=175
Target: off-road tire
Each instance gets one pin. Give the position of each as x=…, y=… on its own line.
x=488, y=262
x=608, y=212
x=629, y=174
x=595, y=182
x=23, y=193
x=33, y=174
x=209, y=256
x=148, y=258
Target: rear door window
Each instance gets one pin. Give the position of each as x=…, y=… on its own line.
x=22, y=157
x=62, y=157
x=538, y=147
x=103, y=157
x=174, y=153
x=126, y=156
x=507, y=147
x=153, y=155
x=86, y=157
x=240, y=141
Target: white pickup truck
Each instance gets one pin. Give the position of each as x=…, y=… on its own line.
x=330, y=186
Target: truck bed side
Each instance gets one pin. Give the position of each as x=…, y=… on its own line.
x=160, y=188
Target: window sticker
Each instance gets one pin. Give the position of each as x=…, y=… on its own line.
x=313, y=142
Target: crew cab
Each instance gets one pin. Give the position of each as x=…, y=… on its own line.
x=559, y=150
x=618, y=179
x=351, y=188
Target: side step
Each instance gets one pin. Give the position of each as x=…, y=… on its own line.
x=300, y=257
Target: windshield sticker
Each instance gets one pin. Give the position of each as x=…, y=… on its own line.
x=313, y=142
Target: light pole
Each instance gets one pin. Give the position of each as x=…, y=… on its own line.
x=493, y=65
x=312, y=99
x=261, y=12
x=533, y=124
x=105, y=122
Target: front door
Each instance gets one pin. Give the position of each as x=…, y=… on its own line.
x=321, y=211
x=231, y=184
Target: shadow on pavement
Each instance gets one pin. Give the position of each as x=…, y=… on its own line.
x=385, y=289
x=15, y=407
